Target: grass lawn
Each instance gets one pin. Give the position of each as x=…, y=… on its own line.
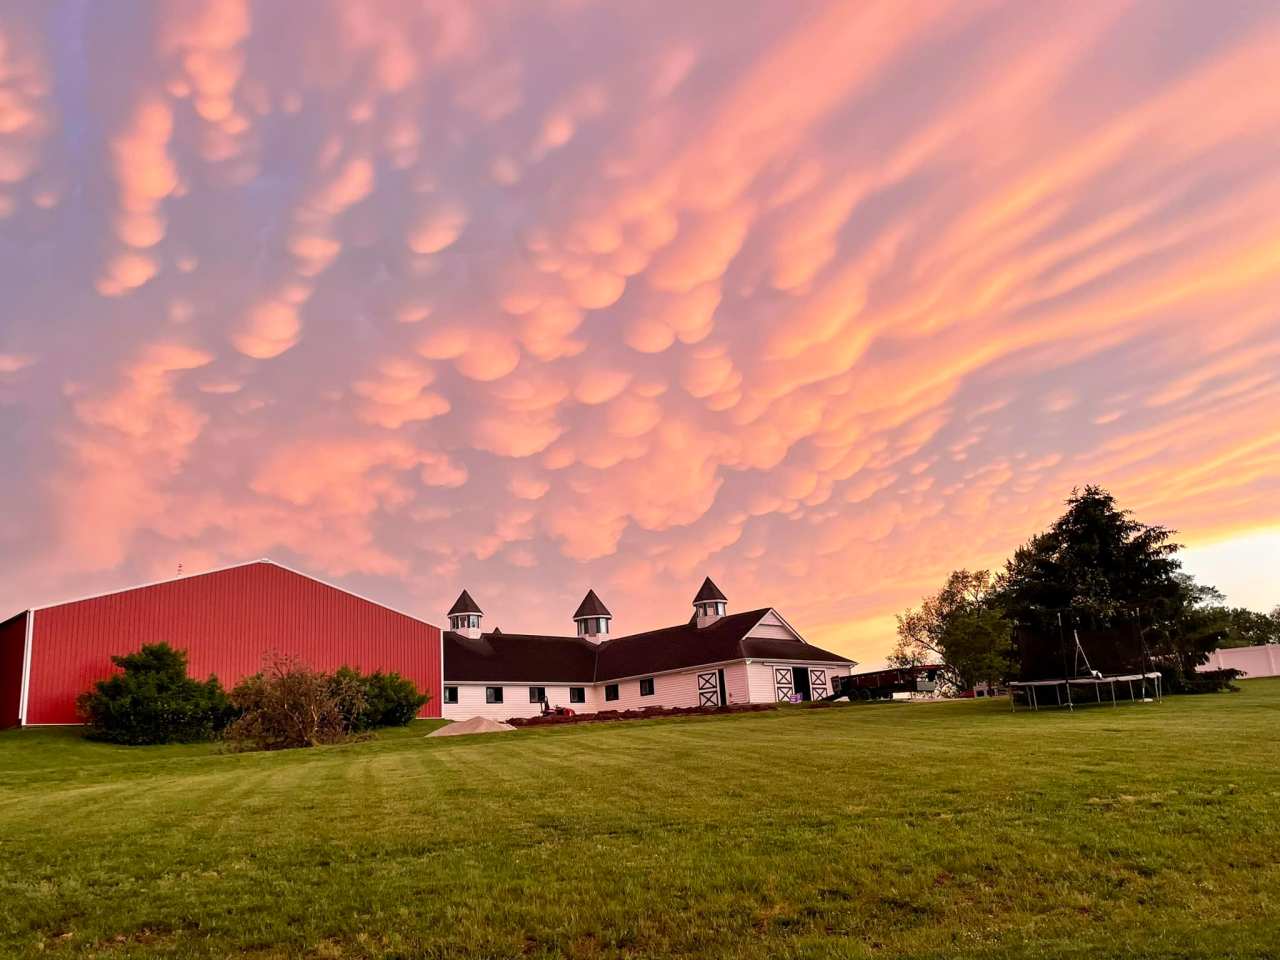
x=890, y=830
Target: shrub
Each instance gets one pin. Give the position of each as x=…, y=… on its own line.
x=387, y=699
x=153, y=700
x=1206, y=681
x=291, y=705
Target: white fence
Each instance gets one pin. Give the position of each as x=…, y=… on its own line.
x=1259, y=661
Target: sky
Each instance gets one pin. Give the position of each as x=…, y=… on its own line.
x=821, y=299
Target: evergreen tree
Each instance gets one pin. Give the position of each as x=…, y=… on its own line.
x=153, y=700
x=1103, y=570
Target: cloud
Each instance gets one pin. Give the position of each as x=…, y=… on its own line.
x=27, y=116
x=12, y=363
x=405, y=296
x=268, y=329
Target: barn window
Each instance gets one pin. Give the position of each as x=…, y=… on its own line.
x=492, y=694
x=646, y=687
x=577, y=694
x=611, y=692
x=450, y=694
x=537, y=694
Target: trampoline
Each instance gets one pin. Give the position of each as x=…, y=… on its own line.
x=1034, y=688
x=1084, y=677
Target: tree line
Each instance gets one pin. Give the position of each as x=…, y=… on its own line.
x=1096, y=569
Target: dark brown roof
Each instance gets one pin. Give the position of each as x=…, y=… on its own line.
x=464, y=604
x=709, y=592
x=524, y=658
x=518, y=658
x=591, y=607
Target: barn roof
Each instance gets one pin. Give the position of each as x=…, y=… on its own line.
x=515, y=657
x=264, y=562
x=526, y=658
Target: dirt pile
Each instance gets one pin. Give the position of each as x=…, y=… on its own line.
x=474, y=725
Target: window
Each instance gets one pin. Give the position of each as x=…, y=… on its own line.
x=646, y=687
x=537, y=694
x=577, y=694
x=611, y=692
x=492, y=694
x=450, y=694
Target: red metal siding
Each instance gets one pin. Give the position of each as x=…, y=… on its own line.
x=227, y=621
x=13, y=642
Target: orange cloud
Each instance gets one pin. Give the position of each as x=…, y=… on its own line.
x=801, y=304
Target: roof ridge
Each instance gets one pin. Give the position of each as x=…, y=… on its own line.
x=680, y=626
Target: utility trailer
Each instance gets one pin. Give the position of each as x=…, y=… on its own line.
x=883, y=684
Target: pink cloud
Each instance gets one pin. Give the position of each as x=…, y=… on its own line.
x=405, y=297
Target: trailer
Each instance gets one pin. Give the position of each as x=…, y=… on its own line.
x=883, y=684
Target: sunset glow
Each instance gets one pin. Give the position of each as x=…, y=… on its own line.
x=531, y=297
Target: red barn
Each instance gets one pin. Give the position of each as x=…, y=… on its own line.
x=227, y=621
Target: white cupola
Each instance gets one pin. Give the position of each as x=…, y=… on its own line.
x=593, y=618
x=465, y=616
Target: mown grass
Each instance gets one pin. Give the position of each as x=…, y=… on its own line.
x=872, y=830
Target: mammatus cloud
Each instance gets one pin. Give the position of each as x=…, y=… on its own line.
x=531, y=296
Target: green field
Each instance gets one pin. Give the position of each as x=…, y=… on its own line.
x=889, y=830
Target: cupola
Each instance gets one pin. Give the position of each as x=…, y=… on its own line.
x=593, y=618
x=709, y=605
x=465, y=616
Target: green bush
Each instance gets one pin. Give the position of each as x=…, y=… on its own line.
x=153, y=700
x=385, y=699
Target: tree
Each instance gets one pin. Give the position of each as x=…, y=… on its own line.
x=386, y=699
x=1095, y=561
x=153, y=700
x=1103, y=571
x=1183, y=630
x=1248, y=628
x=978, y=644
x=960, y=628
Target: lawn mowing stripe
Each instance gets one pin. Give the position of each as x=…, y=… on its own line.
x=685, y=837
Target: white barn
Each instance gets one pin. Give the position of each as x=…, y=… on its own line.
x=715, y=659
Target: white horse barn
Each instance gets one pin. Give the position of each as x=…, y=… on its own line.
x=716, y=658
